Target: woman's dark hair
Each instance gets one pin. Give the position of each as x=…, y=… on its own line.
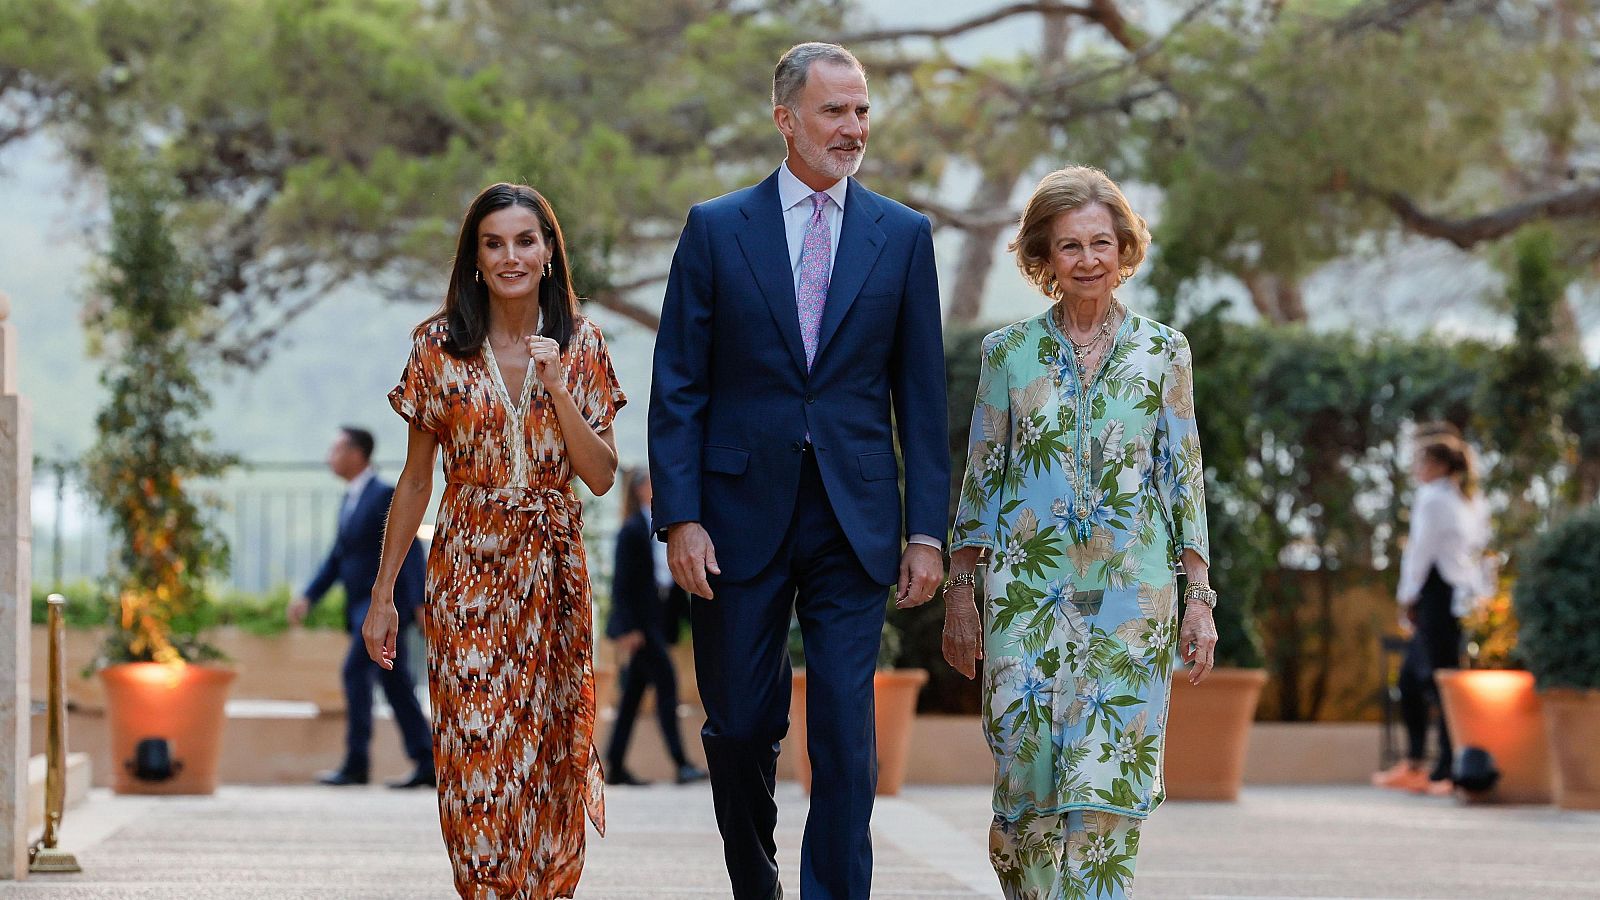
x=1456, y=458
x=632, y=480
x=466, y=302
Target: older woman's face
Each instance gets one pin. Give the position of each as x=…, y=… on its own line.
x=1084, y=253
x=512, y=252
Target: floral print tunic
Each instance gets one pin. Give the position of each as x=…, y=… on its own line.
x=1083, y=496
x=507, y=617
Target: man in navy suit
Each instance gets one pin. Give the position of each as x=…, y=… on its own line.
x=353, y=562
x=799, y=337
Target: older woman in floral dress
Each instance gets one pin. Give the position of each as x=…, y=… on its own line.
x=1083, y=486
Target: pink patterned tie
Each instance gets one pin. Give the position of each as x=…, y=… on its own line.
x=815, y=272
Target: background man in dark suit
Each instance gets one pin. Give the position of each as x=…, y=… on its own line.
x=646, y=610
x=800, y=336
x=353, y=562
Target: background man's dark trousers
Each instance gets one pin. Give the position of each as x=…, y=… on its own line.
x=649, y=667
x=353, y=562
x=399, y=688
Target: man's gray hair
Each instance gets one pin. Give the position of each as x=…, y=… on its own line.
x=789, y=78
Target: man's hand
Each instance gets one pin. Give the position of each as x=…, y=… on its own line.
x=629, y=644
x=690, y=556
x=921, y=570
x=299, y=607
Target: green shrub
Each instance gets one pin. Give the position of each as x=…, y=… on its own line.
x=262, y=614
x=1558, y=603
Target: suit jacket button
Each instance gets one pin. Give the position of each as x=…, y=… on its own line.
x=796, y=446
x=811, y=398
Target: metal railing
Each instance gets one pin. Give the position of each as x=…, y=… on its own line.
x=279, y=519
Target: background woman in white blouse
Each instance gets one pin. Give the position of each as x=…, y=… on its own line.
x=1441, y=578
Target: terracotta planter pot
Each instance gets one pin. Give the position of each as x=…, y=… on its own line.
x=1573, y=722
x=182, y=704
x=1208, y=732
x=1498, y=711
x=895, y=697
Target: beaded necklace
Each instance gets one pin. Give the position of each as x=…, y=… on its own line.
x=1078, y=457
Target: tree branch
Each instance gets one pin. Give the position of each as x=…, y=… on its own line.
x=613, y=299
x=1577, y=203
x=972, y=24
x=962, y=219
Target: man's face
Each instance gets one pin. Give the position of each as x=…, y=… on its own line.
x=827, y=127
x=344, y=457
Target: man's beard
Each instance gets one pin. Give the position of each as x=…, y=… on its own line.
x=819, y=158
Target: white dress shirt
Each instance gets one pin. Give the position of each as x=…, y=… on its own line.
x=795, y=198
x=1448, y=532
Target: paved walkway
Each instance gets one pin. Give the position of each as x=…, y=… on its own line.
x=365, y=844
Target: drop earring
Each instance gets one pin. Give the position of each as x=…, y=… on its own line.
x=547, y=268
x=477, y=275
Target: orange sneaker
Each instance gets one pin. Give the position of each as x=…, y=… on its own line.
x=1443, y=787
x=1403, y=776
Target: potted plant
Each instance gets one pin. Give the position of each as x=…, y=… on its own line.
x=1492, y=704
x=165, y=705
x=894, y=695
x=1560, y=638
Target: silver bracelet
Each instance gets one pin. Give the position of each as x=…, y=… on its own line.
x=965, y=578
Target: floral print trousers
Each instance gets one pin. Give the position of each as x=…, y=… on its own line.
x=1076, y=855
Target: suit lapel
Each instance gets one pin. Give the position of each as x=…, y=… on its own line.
x=860, y=242
x=766, y=250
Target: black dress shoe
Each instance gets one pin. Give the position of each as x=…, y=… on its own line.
x=688, y=774
x=422, y=777
x=624, y=777
x=342, y=777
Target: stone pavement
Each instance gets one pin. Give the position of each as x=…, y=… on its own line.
x=365, y=844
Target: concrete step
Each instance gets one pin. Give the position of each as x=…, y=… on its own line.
x=79, y=781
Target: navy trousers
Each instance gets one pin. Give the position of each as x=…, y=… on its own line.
x=651, y=666
x=741, y=654
x=400, y=690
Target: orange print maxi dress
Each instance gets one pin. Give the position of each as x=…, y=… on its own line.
x=507, y=617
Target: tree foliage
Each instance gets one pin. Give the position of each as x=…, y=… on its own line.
x=149, y=448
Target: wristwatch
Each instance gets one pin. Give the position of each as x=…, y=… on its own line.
x=1201, y=594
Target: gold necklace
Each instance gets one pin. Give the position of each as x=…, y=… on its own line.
x=1081, y=352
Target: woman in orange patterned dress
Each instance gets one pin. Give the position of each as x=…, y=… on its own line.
x=517, y=389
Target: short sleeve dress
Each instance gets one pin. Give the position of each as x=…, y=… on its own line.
x=507, y=616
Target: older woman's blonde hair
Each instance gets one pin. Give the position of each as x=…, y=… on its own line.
x=1065, y=190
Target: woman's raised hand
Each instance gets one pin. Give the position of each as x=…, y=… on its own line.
x=544, y=354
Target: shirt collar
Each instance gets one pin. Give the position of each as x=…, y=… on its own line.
x=791, y=190
x=359, y=483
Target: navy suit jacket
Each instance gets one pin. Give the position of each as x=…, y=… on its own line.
x=732, y=402
x=353, y=561
x=637, y=601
